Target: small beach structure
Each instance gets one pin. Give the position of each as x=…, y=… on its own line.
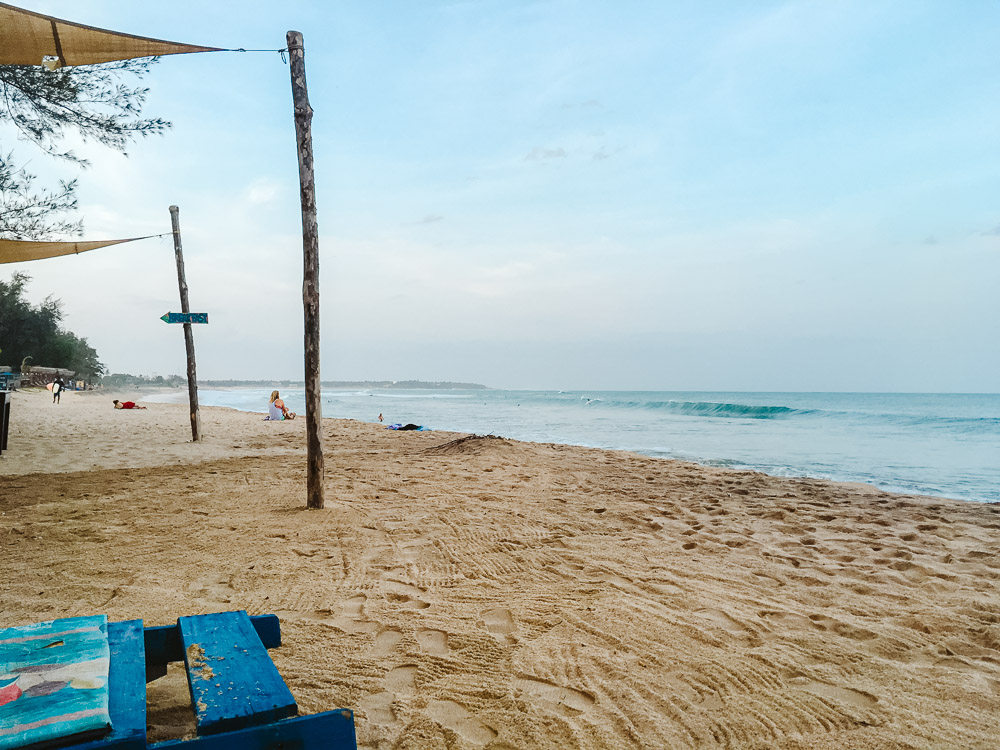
x=80, y=683
x=39, y=377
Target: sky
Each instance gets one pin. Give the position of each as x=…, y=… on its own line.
x=768, y=196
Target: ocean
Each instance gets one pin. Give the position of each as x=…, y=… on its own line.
x=944, y=445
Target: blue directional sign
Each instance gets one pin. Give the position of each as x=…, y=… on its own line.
x=184, y=317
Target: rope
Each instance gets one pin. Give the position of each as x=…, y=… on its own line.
x=281, y=51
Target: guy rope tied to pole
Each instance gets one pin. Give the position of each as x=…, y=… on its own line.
x=175, y=222
x=310, y=269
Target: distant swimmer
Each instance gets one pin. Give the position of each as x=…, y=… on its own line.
x=380, y=416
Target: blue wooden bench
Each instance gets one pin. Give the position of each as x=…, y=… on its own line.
x=240, y=701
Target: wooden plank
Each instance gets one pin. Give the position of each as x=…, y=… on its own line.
x=192, y=369
x=127, y=688
x=331, y=730
x=234, y=684
x=163, y=643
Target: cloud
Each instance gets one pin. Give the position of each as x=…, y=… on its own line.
x=543, y=154
x=589, y=104
x=428, y=219
x=262, y=190
x=994, y=232
x=930, y=240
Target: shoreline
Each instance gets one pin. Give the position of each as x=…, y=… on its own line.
x=39, y=464
x=773, y=468
x=495, y=594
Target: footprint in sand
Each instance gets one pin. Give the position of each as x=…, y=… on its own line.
x=788, y=619
x=569, y=701
x=499, y=621
x=410, y=552
x=353, y=607
x=352, y=619
x=729, y=624
x=213, y=590
x=401, y=679
x=378, y=708
x=841, y=628
x=461, y=721
x=856, y=698
x=404, y=594
x=433, y=641
x=386, y=641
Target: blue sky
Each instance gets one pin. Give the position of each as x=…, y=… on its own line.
x=675, y=195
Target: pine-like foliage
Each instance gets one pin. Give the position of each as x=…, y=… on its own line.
x=43, y=106
x=89, y=99
x=27, y=213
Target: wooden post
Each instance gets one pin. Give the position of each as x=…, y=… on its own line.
x=310, y=270
x=188, y=333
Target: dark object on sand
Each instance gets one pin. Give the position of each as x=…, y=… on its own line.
x=4, y=420
x=469, y=444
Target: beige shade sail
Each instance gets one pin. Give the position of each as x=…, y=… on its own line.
x=17, y=251
x=26, y=38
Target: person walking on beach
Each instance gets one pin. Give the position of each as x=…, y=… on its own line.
x=57, y=387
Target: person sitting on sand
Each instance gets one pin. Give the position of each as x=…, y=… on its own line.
x=127, y=405
x=276, y=409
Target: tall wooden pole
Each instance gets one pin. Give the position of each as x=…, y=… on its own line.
x=175, y=222
x=310, y=270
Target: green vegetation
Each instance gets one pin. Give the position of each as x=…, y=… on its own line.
x=30, y=333
x=119, y=379
x=398, y=384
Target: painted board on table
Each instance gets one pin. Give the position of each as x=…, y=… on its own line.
x=54, y=681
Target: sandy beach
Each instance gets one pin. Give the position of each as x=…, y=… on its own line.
x=493, y=594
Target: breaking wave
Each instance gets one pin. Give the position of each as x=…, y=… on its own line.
x=708, y=409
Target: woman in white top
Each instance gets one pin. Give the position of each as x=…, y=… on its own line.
x=276, y=409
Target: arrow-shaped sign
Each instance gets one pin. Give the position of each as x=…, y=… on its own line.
x=184, y=317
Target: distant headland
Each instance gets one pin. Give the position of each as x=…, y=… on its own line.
x=124, y=379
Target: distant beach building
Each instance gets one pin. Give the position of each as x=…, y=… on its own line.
x=40, y=376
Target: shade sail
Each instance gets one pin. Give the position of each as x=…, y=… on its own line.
x=27, y=37
x=17, y=251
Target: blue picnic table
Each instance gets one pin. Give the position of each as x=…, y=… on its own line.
x=239, y=699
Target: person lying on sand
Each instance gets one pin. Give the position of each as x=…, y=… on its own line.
x=127, y=405
x=276, y=409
